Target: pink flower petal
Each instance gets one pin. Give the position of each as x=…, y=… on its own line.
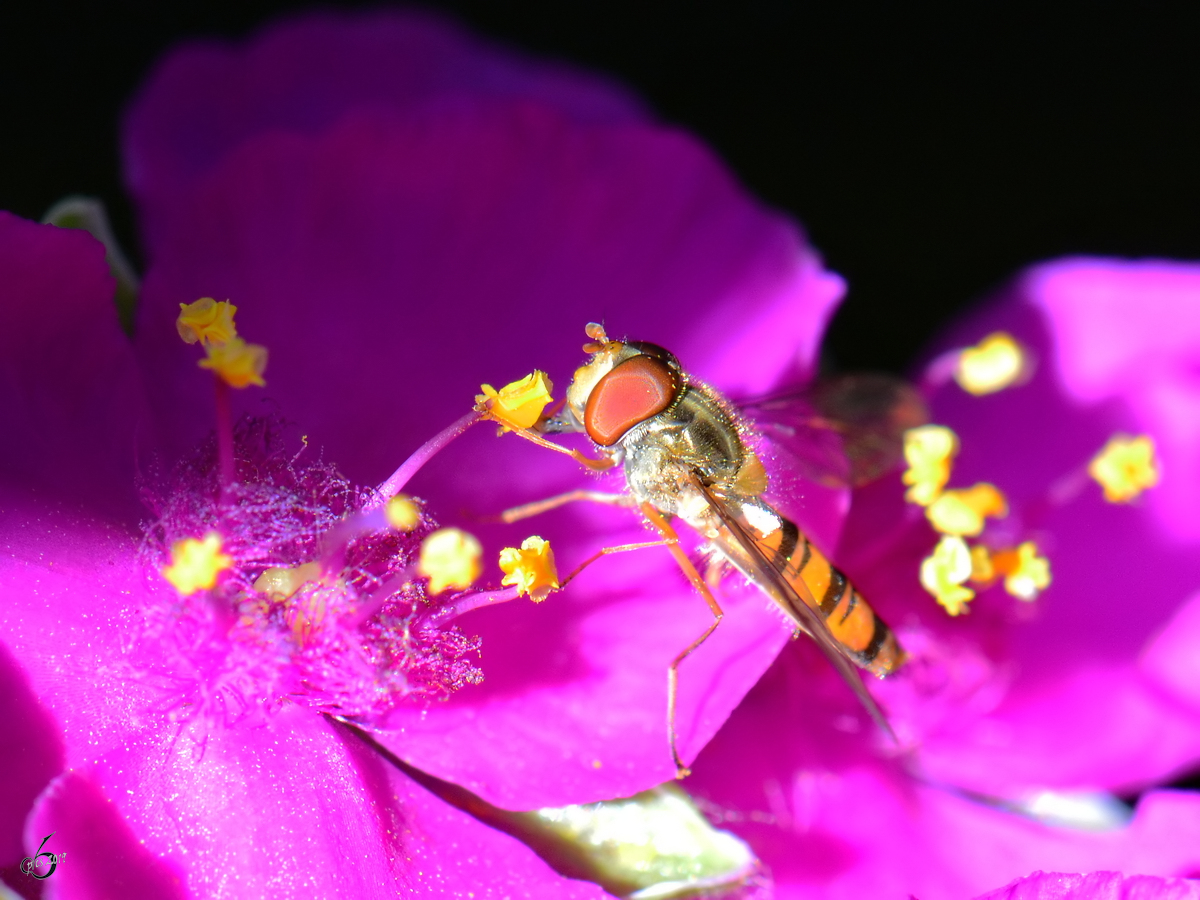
x=831, y=820
x=305, y=73
x=1095, y=886
x=1119, y=572
x=393, y=262
x=68, y=384
x=31, y=753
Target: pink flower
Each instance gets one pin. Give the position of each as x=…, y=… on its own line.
x=402, y=213
x=1046, y=708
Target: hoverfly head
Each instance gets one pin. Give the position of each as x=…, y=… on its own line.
x=622, y=385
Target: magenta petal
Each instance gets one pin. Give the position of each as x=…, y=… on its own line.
x=31, y=753
x=69, y=387
x=1171, y=659
x=392, y=263
x=102, y=858
x=574, y=707
x=1095, y=886
x=1073, y=655
x=198, y=808
x=392, y=266
x=306, y=73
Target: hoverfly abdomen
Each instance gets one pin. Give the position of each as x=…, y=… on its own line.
x=851, y=620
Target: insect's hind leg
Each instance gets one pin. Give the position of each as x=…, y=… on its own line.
x=671, y=541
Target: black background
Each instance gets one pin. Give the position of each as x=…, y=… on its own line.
x=930, y=150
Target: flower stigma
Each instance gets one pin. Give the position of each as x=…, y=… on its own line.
x=1125, y=468
x=530, y=568
x=450, y=558
x=517, y=405
x=993, y=364
x=195, y=564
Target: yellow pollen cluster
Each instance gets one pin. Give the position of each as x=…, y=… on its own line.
x=196, y=563
x=1125, y=467
x=206, y=321
x=945, y=572
x=516, y=405
x=449, y=559
x=279, y=583
x=531, y=568
x=234, y=361
x=962, y=512
x=928, y=450
x=402, y=513
x=993, y=364
x=237, y=363
x=958, y=514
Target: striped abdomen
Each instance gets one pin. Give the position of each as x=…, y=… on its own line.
x=866, y=637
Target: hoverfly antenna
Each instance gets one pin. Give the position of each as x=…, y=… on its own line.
x=599, y=338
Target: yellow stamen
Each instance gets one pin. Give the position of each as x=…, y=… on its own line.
x=516, y=405
x=983, y=570
x=929, y=451
x=237, y=363
x=531, y=568
x=993, y=364
x=402, y=513
x=1025, y=573
x=1125, y=467
x=279, y=583
x=944, y=571
x=196, y=563
x=206, y=320
x=963, y=511
x=449, y=559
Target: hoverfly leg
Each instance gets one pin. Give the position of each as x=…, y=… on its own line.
x=536, y=508
x=605, y=551
x=596, y=465
x=671, y=540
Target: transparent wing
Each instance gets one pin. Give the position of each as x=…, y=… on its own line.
x=843, y=431
x=803, y=613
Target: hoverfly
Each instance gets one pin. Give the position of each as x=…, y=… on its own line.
x=687, y=454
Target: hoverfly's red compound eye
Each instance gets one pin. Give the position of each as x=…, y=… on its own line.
x=636, y=389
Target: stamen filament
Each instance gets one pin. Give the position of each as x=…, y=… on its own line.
x=224, y=435
x=398, y=479
x=468, y=601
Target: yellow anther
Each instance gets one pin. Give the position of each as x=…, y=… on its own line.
x=516, y=405
x=236, y=363
x=928, y=450
x=991, y=365
x=531, y=568
x=983, y=570
x=944, y=571
x=279, y=583
x=1025, y=573
x=962, y=512
x=402, y=513
x=449, y=559
x=1125, y=467
x=196, y=563
x=206, y=320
